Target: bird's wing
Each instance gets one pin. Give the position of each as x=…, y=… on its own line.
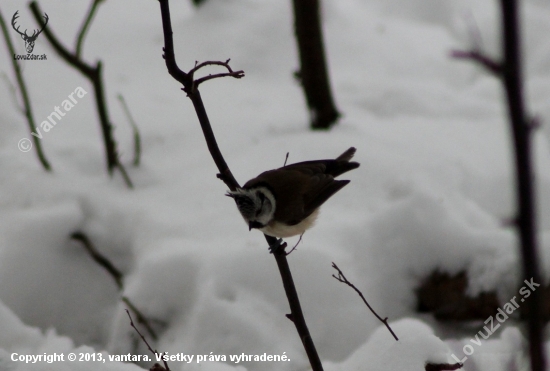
x=332, y=167
x=299, y=194
x=308, y=185
x=322, y=187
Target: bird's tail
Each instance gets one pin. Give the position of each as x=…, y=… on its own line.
x=348, y=155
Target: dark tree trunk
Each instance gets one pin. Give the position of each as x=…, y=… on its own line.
x=313, y=73
x=522, y=126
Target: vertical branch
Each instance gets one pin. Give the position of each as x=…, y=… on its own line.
x=101, y=107
x=521, y=128
x=94, y=74
x=509, y=71
x=27, y=110
x=190, y=86
x=313, y=73
x=296, y=315
x=225, y=174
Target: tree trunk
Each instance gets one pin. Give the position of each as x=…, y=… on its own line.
x=313, y=73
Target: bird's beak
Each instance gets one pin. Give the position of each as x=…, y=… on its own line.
x=255, y=225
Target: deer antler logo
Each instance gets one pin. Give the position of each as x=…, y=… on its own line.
x=29, y=40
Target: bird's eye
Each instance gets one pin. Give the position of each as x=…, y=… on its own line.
x=261, y=196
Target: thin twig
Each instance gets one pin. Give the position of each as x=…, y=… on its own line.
x=140, y=317
x=286, y=159
x=297, y=243
x=236, y=74
x=13, y=92
x=27, y=110
x=343, y=279
x=124, y=174
x=487, y=62
x=137, y=137
x=155, y=352
x=139, y=333
x=99, y=258
x=198, y=65
x=85, y=26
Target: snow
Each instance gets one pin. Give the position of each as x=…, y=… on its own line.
x=433, y=192
x=381, y=352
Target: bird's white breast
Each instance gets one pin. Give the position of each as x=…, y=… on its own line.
x=281, y=230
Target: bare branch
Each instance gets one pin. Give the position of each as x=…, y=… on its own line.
x=198, y=65
x=296, y=315
x=117, y=276
x=155, y=352
x=85, y=26
x=276, y=246
x=63, y=52
x=519, y=122
x=124, y=174
x=236, y=74
x=137, y=138
x=190, y=87
x=99, y=258
x=94, y=74
x=297, y=243
x=27, y=110
x=343, y=279
x=509, y=73
x=488, y=63
x=13, y=92
x=140, y=317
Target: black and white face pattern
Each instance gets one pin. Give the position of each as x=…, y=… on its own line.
x=256, y=205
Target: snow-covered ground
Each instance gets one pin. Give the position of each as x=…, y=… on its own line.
x=433, y=191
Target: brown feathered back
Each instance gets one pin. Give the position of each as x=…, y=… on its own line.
x=306, y=187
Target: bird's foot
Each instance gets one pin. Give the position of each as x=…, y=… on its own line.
x=278, y=246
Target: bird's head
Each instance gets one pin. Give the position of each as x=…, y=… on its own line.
x=256, y=205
